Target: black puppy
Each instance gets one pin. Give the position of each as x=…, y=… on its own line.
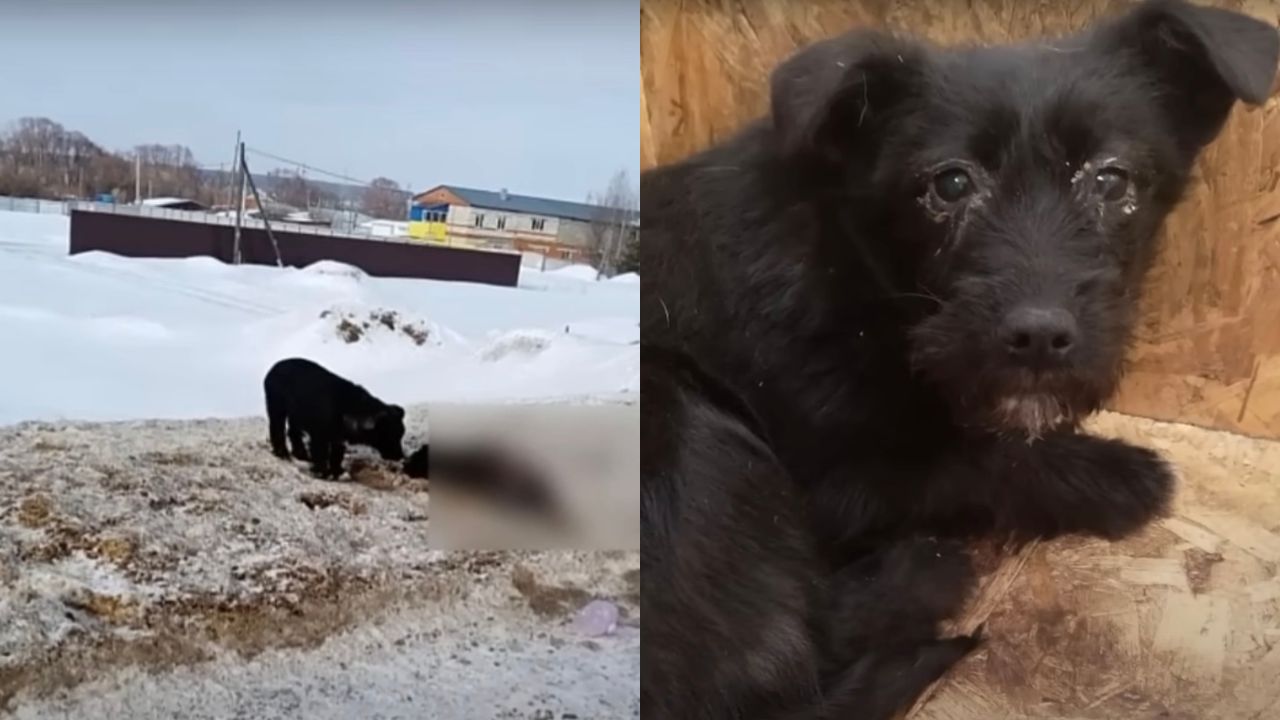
x=918, y=274
x=331, y=411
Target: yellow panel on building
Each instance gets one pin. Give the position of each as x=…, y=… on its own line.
x=427, y=231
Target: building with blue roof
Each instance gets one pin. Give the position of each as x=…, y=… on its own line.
x=559, y=229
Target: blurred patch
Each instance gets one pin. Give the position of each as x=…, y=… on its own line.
x=532, y=476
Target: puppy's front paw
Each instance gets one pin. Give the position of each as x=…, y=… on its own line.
x=1136, y=486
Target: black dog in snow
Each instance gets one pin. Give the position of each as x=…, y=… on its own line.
x=305, y=399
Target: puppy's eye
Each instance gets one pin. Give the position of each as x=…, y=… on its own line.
x=1112, y=184
x=953, y=185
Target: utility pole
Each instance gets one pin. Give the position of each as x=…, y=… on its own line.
x=243, y=175
x=262, y=213
x=137, y=178
x=235, y=171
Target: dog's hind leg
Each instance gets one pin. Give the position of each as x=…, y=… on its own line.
x=897, y=594
x=319, y=453
x=297, y=442
x=337, y=451
x=880, y=644
x=885, y=681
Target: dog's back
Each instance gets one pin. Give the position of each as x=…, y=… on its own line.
x=741, y=274
x=297, y=375
x=313, y=389
x=701, y=230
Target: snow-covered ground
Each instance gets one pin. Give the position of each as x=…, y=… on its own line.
x=101, y=337
x=169, y=566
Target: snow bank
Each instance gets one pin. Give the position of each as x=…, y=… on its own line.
x=104, y=337
x=333, y=267
x=576, y=272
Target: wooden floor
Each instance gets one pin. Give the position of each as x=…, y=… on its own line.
x=1179, y=623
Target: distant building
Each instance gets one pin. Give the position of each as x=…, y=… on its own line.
x=385, y=228
x=482, y=218
x=272, y=208
x=174, y=203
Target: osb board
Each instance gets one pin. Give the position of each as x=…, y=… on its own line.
x=1181, y=622
x=1208, y=349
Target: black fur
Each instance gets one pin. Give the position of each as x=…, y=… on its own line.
x=745, y=619
x=876, y=358
x=418, y=464
x=330, y=411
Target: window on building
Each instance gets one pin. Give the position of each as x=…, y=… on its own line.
x=502, y=222
x=479, y=219
x=539, y=223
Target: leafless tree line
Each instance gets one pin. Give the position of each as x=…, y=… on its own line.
x=40, y=158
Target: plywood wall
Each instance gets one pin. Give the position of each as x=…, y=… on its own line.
x=1208, y=348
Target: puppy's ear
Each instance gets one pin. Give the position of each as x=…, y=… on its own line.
x=1203, y=59
x=396, y=412
x=833, y=94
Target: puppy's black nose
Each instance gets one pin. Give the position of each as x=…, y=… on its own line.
x=1039, y=337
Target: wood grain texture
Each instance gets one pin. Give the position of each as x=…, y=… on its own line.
x=1179, y=622
x=1208, y=346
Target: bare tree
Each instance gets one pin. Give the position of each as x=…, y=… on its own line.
x=291, y=188
x=323, y=197
x=629, y=257
x=168, y=170
x=614, y=220
x=384, y=199
x=41, y=158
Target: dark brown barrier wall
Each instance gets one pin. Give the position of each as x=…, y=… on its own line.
x=134, y=236
x=1208, y=347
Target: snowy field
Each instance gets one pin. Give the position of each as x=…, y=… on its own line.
x=100, y=337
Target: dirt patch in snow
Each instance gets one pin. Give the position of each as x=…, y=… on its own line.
x=353, y=327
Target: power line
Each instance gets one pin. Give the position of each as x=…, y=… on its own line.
x=309, y=168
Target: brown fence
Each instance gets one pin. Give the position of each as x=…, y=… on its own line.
x=140, y=236
x=1208, y=350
